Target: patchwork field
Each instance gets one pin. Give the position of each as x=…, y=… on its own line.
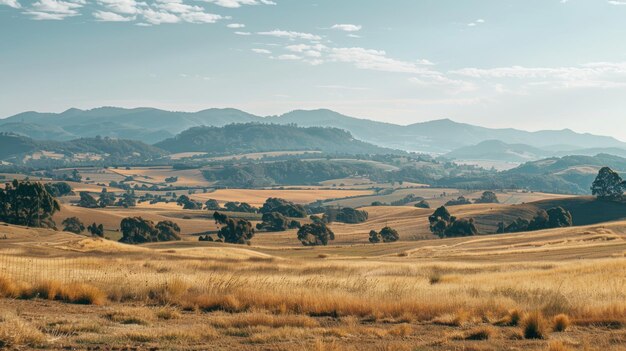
x=257, y=197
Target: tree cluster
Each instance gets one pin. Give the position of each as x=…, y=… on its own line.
x=445, y=225
x=188, y=203
x=27, y=203
x=234, y=206
x=315, y=234
x=96, y=230
x=136, y=230
x=608, y=184
x=234, y=230
x=344, y=215
x=386, y=235
x=556, y=217
x=73, y=225
x=284, y=207
x=461, y=200
x=276, y=222
x=58, y=189
x=488, y=197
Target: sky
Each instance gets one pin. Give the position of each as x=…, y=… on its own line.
x=526, y=64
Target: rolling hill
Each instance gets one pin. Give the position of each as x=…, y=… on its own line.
x=20, y=149
x=497, y=150
x=258, y=137
x=152, y=125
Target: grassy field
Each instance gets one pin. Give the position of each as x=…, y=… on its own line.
x=65, y=291
x=553, y=290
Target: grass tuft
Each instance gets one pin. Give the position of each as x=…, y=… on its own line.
x=560, y=323
x=535, y=326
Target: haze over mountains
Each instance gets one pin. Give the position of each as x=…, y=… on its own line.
x=440, y=136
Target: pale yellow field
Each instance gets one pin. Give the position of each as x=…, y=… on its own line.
x=157, y=175
x=257, y=197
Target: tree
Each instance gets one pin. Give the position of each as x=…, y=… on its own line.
x=276, y=222
x=315, y=234
x=444, y=225
x=106, y=198
x=73, y=225
x=188, y=203
x=461, y=200
x=212, y=205
x=234, y=230
x=27, y=203
x=461, y=227
x=608, y=184
x=58, y=189
x=422, y=204
x=96, y=230
x=284, y=207
x=245, y=207
x=345, y=215
x=488, y=197
x=389, y=235
x=87, y=201
x=375, y=237
x=439, y=220
x=136, y=230
x=127, y=200
x=559, y=218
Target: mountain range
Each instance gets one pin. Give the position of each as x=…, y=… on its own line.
x=151, y=125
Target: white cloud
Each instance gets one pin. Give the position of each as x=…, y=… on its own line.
x=235, y=25
x=126, y=7
x=243, y=33
x=372, y=60
x=54, y=9
x=347, y=27
x=289, y=57
x=159, y=17
x=475, y=23
x=291, y=35
x=617, y=2
x=105, y=16
x=11, y=3
x=261, y=51
x=239, y=3
x=437, y=79
x=200, y=17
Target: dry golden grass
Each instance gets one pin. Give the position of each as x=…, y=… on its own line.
x=78, y=293
x=560, y=323
x=557, y=346
x=257, y=197
x=14, y=331
x=535, y=326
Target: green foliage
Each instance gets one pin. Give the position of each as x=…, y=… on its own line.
x=27, y=203
x=136, y=230
x=375, y=237
x=276, y=222
x=212, y=205
x=345, y=215
x=445, y=225
x=315, y=234
x=608, y=184
x=87, y=201
x=188, y=203
x=556, y=217
x=106, y=198
x=235, y=206
x=257, y=137
x=127, y=200
x=96, y=230
x=389, y=235
x=73, y=225
x=461, y=200
x=407, y=199
x=422, y=204
x=58, y=189
x=488, y=197
x=234, y=230
x=284, y=207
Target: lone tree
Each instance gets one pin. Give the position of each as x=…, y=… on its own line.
x=96, y=230
x=389, y=235
x=188, y=203
x=136, y=230
x=234, y=230
x=106, y=198
x=608, y=184
x=73, y=225
x=444, y=225
x=315, y=234
x=375, y=237
x=212, y=205
x=87, y=201
x=27, y=203
x=488, y=197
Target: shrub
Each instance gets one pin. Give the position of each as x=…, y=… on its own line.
x=488, y=197
x=422, y=204
x=345, y=215
x=482, y=333
x=374, y=237
x=560, y=323
x=535, y=326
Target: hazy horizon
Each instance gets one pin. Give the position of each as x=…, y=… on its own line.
x=529, y=65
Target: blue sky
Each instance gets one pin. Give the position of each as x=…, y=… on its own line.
x=529, y=64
